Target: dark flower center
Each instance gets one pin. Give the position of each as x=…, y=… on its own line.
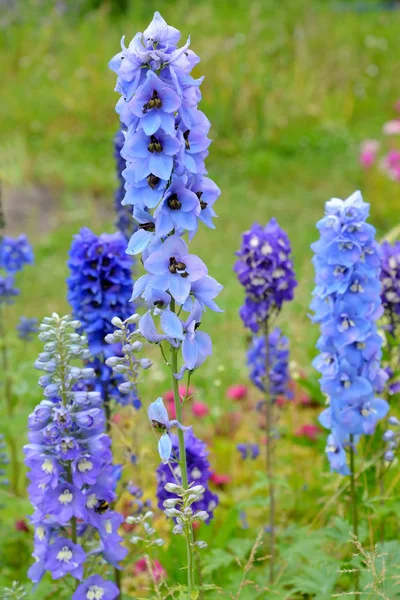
x=154, y=102
x=175, y=267
x=152, y=180
x=147, y=226
x=173, y=202
x=203, y=204
x=154, y=145
x=186, y=138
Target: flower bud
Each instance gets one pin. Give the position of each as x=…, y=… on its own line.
x=145, y=363
x=201, y=515
x=200, y=544
x=116, y=321
x=172, y=512
x=173, y=488
x=133, y=319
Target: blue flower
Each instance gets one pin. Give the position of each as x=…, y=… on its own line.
x=347, y=305
x=69, y=460
x=15, y=253
x=124, y=221
x=251, y=451
x=27, y=327
x=390, y=279
x=100, y=284
x=8, y=291
x=279, y=363
x=265, y=269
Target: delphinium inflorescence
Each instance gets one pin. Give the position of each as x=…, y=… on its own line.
x=346, y=305
x=165, y=147
x=99, y=288
x=70, y=468
x=390, y=280
x=265, y=269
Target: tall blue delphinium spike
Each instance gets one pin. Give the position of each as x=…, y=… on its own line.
x=124, y=221
x=99, y=288
x=165, y=147
x=265, y=269
x=71, y=472
x=347, y=304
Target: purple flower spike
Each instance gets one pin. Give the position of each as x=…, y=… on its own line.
x=265, y=269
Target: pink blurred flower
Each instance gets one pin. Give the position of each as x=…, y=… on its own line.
x=397, y=106
x=368, y=152
x=309, y=430
x=391, y=164
x=392, y=127
x=199, y=409
x=169, y=396
x=237, y=392
x=117, y=418
x=220, y=479
x=140, y=567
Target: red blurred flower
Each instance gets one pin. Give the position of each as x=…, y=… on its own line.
x=158, y=571
x=220, y=479
x=21, y=525
x=309, y=430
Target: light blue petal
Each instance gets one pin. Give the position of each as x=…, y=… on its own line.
x=165, y=448
x=171, y=324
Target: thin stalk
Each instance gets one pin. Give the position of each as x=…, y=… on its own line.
x=354, y=504
x=182, y=456
x=270, y=453
x=5, y=362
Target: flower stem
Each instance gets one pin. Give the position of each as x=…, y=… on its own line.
x=5, y=363
x=270, y=451
x=182, y=456
x=354, y=504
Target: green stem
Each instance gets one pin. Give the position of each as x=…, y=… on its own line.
x=5, y=363
x=354, y=504
x=270, y=454
x=182, y=456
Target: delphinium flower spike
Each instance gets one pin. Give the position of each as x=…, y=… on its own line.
x=265, y=269
x=347, y=305
x=166, y=183
x=99, y=288
x=70, y=467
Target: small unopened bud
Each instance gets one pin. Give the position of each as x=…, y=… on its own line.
x=389, y=456
x=135, y=539
x=388, y=435
x=133, y=520
x=110, y=339
x=394, y=421
x=133, y=318
x=126, y=387
x=177, y=530
x=137, y=346
x=113, y=361
x=145, y=363
x=202, y=515
x=116, y=321
x=200, y=544
x=172, y=512
x=197, y=489
x=173, y=488
x=158, y=542
x=170, y=502
x=148, y=515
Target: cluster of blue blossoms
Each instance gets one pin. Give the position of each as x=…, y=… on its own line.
x=248, y=450
x=198, y=471
x=347, y=304
x=265, y=269
x=99, y=288
x=15, y=253
x=72, y=477
x=165, y=147
x=278, y=360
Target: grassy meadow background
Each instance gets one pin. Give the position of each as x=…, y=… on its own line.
x=291, y=89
